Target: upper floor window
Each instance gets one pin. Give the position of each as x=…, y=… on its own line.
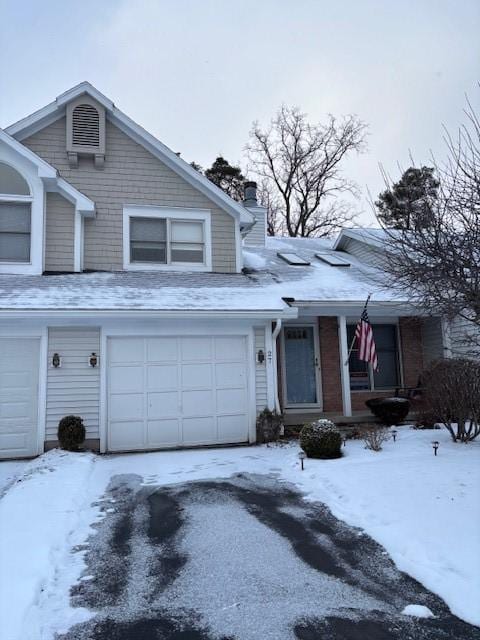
x=15, y=216
x=166, y=239
x=362, y=377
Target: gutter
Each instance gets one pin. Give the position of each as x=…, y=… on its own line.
x=264, y=314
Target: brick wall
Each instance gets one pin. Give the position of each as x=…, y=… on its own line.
x=412, y=351
x=330, y=364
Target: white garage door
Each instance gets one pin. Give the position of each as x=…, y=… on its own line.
x=19, y=360
x=176, y=391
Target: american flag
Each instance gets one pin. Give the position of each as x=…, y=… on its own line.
x=367, y=350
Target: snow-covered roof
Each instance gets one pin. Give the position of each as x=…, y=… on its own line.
x=267, y=280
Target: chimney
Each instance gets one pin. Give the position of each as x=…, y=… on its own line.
x=257, y=234
x=250, y=194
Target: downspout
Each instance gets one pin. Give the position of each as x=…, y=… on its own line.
x=276, y=331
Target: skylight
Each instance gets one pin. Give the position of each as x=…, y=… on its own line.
x=333, y=260
x=293, y=259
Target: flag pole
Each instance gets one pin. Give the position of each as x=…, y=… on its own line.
x=354, y=337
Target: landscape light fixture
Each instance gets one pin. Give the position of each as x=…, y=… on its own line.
x=435, y=445
x=302, y=455
x=394, y=435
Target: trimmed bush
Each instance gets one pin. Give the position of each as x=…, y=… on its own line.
x=71, y=433
x=389, y=411
x=269, y=424
x=321, y=439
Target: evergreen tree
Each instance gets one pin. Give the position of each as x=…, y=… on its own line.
x=408, y=203
x=228, y=177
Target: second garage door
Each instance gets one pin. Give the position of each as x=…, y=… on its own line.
x=177, y=391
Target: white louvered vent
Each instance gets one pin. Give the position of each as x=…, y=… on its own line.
x=85, y=126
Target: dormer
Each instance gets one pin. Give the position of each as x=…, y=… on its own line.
x=85, y=130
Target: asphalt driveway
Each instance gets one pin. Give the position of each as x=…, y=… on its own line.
x=246, y=558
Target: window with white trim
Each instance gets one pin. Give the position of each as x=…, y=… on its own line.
x=167, y=239
x=362, y=376
x=15, y=216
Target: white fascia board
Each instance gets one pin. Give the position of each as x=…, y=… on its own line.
x=83, y=205
x=361, y=235
x=45, y=170
x=80, y=89
x=339, y=307
x=260, y=314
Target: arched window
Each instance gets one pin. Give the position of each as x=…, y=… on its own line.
x=15, y=216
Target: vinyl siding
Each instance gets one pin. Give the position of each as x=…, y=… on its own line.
x=256, y=237
x=432, y=340
x=73, y=388
x=59, y=233
x=364, y=252
x=261, y=399
x=131, y=175
x=460, y=330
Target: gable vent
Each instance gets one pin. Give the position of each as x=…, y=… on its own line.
x=85, y=126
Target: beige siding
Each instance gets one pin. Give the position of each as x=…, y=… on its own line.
x=59, y=233
x=131, y=175
x=432, y=340
x=73, y=388
x=364, y=252
x=256, y=237
x=460, y=332
x=260, y=371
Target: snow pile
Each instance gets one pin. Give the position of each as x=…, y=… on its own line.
x=417, y=611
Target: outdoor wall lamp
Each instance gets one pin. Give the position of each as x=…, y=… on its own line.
x=260, y=356
x=56, y=361
x=93, y=360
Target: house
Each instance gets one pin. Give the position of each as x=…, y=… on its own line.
x=136, y=294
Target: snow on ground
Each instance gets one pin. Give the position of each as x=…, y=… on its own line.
x=9, y=471
x=415, y=504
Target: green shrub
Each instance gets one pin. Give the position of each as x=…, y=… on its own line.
x=71, y=433
x=321, y=439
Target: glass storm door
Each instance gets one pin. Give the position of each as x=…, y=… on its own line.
x=300, y=365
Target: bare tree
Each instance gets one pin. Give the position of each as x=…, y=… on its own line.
x=438, y=266
x=301, y=167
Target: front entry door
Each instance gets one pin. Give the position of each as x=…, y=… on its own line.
x=301, y=365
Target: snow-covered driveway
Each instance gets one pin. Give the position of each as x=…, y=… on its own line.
x=154, y=542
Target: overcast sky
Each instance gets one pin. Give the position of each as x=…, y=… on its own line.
x=197, y=73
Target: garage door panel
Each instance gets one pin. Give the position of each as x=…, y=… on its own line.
x=162, y=377
x=126, y=435
x=126, y=405
x=230, y=374
x=126, y=350
x=19, y=369
x=196, y=375
x=197, y=403
x=163, y=404
x=230, y=348
x=230, y=401
x=231, y=428
x=199, y=430
x=196, y=348
x=162, y=349
x=164, y=433
x=126, y=379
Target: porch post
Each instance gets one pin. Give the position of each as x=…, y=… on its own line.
x=344, y=372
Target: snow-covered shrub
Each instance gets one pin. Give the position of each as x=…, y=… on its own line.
x=374, y=436
x=321, y=439
x=269, y=424
x=452, y=388
x=389, y=411
x=71, y=433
